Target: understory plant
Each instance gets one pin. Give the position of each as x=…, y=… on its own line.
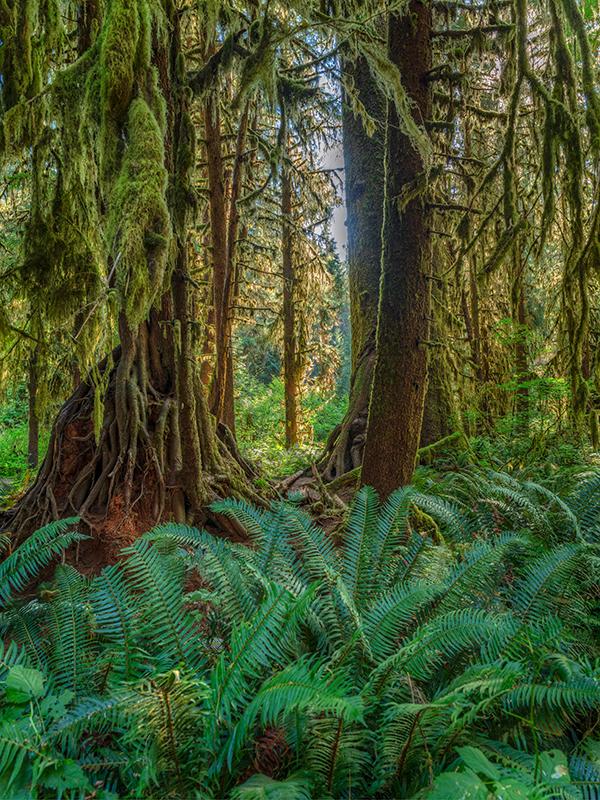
x=442, y=644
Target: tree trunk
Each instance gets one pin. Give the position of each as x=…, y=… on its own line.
x=521, y=360
x=221, y=404
x=440, y=413
x=33, y=433
x=364, y=181
x=154, y=452
x=224, y=225
x=290, y=356
x=400, y=377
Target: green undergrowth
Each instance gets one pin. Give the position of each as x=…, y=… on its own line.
x=441, y=645
x=14, y=471
x=260, y=425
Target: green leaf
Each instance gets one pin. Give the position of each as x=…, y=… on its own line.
x=554, y=767
x=54, y=707
x=63, y=775
x=458, y=786
x=512, y=789
x=261, y=787
x=23, y=684
x=479, y=762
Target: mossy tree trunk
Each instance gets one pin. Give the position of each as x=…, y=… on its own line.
x=149, y=450
x=364, y=189
x=441, y=414
x=364, y=180
x=33, y=426
x=224, y=195
x=519, y=311
x=400, y=377
x=290, y=355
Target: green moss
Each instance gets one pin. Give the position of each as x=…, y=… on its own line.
x=139, y=228
x=117, y=55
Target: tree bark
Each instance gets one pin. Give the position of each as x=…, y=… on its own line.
x=441, y=415
x=400, y=377
x=290, y=356
x=224, y=225
x=156, y=453
x=521, y=360
x=33, y=433
x=364, y=181
x=221, y=408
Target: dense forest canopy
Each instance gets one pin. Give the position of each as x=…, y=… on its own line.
x=390, y=436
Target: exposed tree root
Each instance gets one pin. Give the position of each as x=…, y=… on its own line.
x=133, y=474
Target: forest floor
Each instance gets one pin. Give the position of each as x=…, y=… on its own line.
x=536, y=454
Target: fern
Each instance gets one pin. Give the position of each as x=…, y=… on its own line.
x=388, y=663
x=301, y=687
x=392, y=529
x=10, y=654
x=358, y=545
x=254, y=646
x=393, y=613
x=158, y=580
x=35, y=553
x=261, y=787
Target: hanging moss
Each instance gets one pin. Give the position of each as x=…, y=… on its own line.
x=139, y=227
x=117, y=55
x=573, y=14
x=118, y=50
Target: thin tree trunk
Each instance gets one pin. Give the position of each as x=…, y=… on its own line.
x=441, y=415
x=521, y=360
x=33, y=434
x=224, y=224
x=220, y=264
x=400, y=378
x=290, y=356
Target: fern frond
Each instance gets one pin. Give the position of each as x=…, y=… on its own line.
x=557, y=697
x=555, y=500
x=25, y=625
x=392, y=529
x=448, y=515
x=437, y=642
x=254, y=646
x=302, y=687
x=116, y=620
x=340, y=755
x=157, y=580
x=477, y=576
x=317, y=558
x=219, y=563
x=72, y=648
x=415, y=560
x=35, y=553
x=387, y=619
x=535, y=594
x=10, y=655
x=248, y=517
x=585, y=504
x=97, y=715
x=17, y=743
x=261, y=787
x=407, y=730
x=357, y=546
x=180, y=535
